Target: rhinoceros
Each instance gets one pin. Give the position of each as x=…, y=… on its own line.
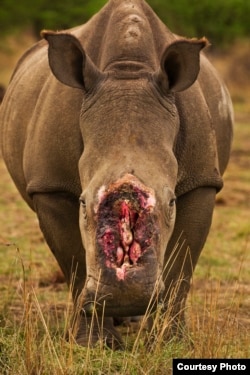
x=117, y=133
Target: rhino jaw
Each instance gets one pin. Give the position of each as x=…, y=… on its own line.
x=127, y=227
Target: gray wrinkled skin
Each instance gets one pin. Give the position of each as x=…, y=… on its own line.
x=127, y=116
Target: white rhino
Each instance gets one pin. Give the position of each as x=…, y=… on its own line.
x=134, y=121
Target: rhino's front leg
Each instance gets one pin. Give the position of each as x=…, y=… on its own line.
x=193, y=221
x=58, y=215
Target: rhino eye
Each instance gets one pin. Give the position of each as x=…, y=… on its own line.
x=82, y=202
x=172, y=202
x=83, y=205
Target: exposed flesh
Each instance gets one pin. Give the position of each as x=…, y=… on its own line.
x=125, y=228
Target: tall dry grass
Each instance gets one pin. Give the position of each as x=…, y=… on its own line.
x=35, y=342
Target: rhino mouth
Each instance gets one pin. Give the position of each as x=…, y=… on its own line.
x=126, y=227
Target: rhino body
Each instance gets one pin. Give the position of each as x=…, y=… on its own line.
x=134, y=121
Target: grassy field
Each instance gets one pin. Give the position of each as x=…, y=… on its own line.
x=35, y=305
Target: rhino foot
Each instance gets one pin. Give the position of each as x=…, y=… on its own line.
x=92, y=330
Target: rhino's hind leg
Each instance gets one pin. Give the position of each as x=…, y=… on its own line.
x=92, y=330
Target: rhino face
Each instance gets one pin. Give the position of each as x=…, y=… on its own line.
x=128, y=170
x=128, y=210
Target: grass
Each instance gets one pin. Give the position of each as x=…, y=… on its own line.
x=33, y=329
x=35, y=305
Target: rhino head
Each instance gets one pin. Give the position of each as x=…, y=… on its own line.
x=128, y=169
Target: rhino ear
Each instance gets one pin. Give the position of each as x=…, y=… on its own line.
x=69, y=62
x=180, y=64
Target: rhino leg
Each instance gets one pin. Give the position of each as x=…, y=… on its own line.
x=193, y=221
x=92, y=329
x=58, y=215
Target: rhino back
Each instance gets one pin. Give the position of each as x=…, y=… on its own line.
x=109, y=35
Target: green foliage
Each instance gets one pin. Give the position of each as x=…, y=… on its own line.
x=44, y=14
x=221, y=21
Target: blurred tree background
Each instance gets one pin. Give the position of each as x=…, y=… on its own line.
x=222, y=21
